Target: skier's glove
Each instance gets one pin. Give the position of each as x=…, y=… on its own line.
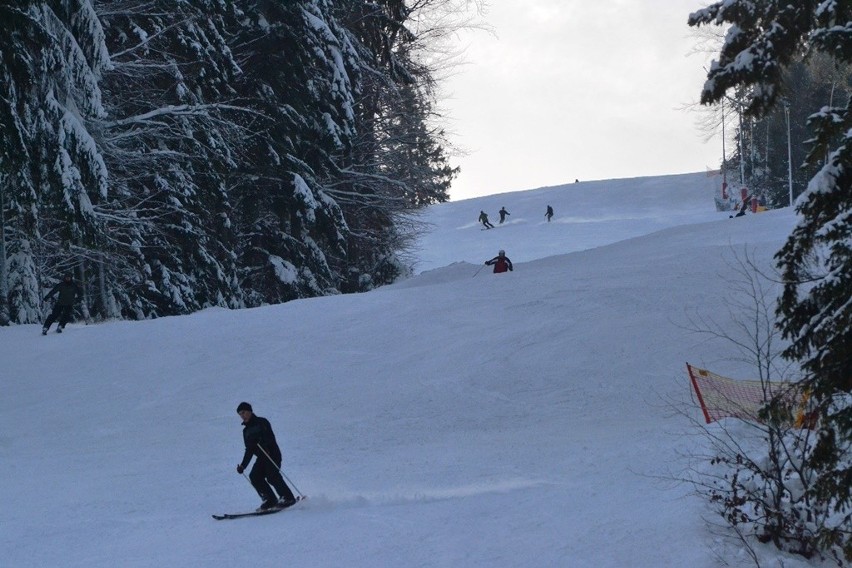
x=240, y=469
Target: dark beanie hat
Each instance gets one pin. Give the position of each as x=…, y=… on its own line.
x=244, y=406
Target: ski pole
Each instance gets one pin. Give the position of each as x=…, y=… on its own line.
x=477, y=272
x=281, y=471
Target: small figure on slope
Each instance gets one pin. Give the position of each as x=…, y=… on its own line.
x=549, y=213
x=483, y=218
x=742, y=209
x=68, y=293
x=503, y=214
x=500, y=262
x=260, y=442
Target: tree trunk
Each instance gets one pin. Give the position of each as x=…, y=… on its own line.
x=4, y=276
x=84, y=302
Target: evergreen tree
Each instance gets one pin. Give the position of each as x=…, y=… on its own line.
x=297, y=70
x=20, y=38
x=815, y=310
x=808, y=84
x=54, y=173
x=398, y=162
x=170, y=147
x=74, y=175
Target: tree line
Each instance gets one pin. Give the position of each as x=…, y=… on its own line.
x=770, y=156
x=175, y=155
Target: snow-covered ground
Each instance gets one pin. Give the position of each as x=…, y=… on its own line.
x=456, y=419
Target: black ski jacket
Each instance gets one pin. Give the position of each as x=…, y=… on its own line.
x=68, y=292
x=257, y=434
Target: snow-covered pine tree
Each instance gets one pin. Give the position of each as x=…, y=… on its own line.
x=815, y=310
x=17, y=189
x=410, y=43
x=52, y=55
x=397, y=162
x=74, y=175
x=297, y=76
x=172, y=151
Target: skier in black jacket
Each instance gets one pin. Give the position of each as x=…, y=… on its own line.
x=503, y=214
x=68, y=292
x=260, y=442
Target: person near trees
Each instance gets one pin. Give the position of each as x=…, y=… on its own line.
x=68, y=291
x=501, y=263
x=483, y=218
x=503, y=214
x=266, y=473
x=742, y=209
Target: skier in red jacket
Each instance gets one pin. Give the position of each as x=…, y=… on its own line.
x=500, y=262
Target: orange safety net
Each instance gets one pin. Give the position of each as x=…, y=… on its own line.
x=721, y=397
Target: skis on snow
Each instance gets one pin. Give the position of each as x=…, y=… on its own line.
x=271, y=511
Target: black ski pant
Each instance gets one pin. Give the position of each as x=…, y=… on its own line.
x=61, y=312
x=263, y=474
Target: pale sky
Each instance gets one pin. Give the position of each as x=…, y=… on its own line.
x=577, y=89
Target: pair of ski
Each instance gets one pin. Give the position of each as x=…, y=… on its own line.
x=258, y=513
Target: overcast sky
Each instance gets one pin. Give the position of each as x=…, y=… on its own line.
x=577, y=89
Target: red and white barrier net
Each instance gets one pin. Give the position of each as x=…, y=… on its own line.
x=721, y=397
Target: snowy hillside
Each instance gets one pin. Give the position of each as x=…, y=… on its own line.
x=586, y=215
x=457, y=419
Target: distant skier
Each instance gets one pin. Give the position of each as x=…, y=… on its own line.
x=742, y=209
x=63, y=308
x=503, y=214
x=483, y=218
x=500, y=262
x=260, y=442
x=549, y=213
